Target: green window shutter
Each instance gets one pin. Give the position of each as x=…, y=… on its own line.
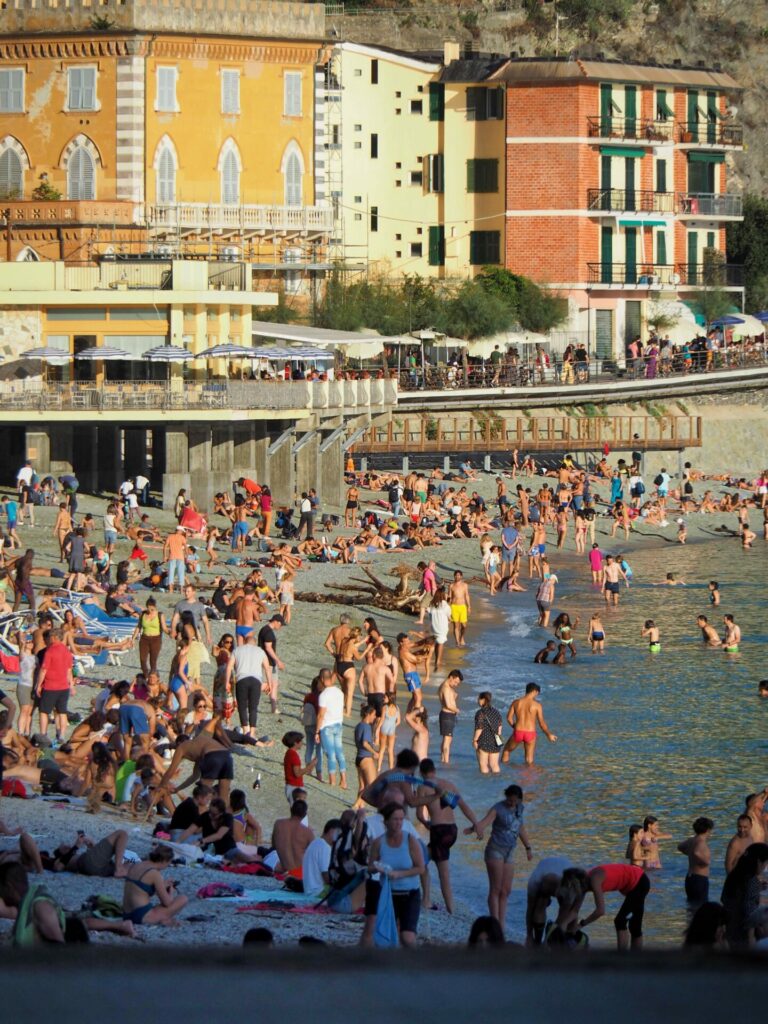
x=436, y=101
x=436, y=245
x=606, y=109
x=661, y=248
x=693, y=114
x=630, y=109
x=606, y=255
x=605, y=182
x=484, y=247
x=630, y=255
x=711, y=118
x=471, y=175
x=493, y=247
x=495, y=103
x=693, y=254
x=710, y=239
x=706, y=158
x=493, y=176
x=661, y=175
x=629, y=183
x=473, y=247
x=663, y=109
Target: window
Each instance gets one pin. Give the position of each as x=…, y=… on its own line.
x=419, y=231
x=374, y=218
x=661, y=175
x=11, y=175
x=482, y=175
x=417, y=107
x=358, y=216
x=358, y=145
x=230, y=179
x=398, y=254
x=292, y=277
x=81, y=88
x=230, y=92
x=436, y=101
x=484, y=247
x=436, y=172
x=663, y=109
x=416, y=249
x=165, y=186
x=374, y=146
x=398, y=95
x=358, y=199
x=398, y=238
x=485, y=104
x=166, y=90
x=358, y=72
x=398, y=184
x=294, y=173
x=374, y=72
x=661, y=248
x=398, y=110
x=292, y=97
x=12, y=91
x=81, y=175
x=358, y=128
x=437, y=245
x=417, y=178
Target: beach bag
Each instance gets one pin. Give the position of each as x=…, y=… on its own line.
x=385, y=934
x=309, y=719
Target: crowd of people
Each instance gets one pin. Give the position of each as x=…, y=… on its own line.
x=145, y=741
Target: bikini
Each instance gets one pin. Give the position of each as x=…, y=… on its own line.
x=138, y=914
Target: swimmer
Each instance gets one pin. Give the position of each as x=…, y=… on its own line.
x=651, y=630
x=682, y=531
x=762, y=688
x=611, y=573
x=670, y=581
x=747, y=536
x=524, y=715
x=635, y=853
x=708, y=632
x=714, y=593
x=564, y=631
x=732, y=637
x=596, y=634
x=542, y=656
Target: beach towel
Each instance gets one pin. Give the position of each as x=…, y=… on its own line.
x=10, y=663
x=219, y=890
x=385, y=933
x=248, y=869
x=17, y=788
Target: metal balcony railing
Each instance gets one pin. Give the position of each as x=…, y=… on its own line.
x=647, y=275
x=710, y=133
x=714, y=275
x=630, y=129
x=709, y=204
x=624, y=200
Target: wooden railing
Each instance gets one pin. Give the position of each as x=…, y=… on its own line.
x=541, y=433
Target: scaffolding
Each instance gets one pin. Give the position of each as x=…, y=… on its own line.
x=332, y=156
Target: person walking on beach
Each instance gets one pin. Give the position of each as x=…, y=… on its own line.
x=524, y=715
x=460, y=607
x=699, y=855
x=449, y=710
x=487, y=737
x=545, y=596
x=330, y=718
x=506, y=821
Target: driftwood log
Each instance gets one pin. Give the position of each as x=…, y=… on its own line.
x=372, y=591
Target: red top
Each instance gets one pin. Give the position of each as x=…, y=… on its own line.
x=57, y=662
x=251, y=486
x=291, y=762
x=619, y=877
x=266, y=502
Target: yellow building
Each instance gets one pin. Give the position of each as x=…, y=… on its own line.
x=413, y=160
x=154, y=126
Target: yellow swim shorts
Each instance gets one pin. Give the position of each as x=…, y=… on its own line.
x=459, y=613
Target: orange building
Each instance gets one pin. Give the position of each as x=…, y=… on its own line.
x=616, y=186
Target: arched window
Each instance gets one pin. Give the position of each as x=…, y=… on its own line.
x=11, y=175
x=230, y=179
x=165, y=188
x=81, y=175
x=27, y=255
x=293, y=174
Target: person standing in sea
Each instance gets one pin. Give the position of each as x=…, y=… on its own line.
x=524, y=716
x=460, y=607
x=487, y=737
x=506, y=821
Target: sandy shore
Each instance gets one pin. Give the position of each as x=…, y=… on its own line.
x=300, y=647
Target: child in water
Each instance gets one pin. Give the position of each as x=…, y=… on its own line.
x=714, y=593
x=651, y=630
x=635, y=851
x=596, y=634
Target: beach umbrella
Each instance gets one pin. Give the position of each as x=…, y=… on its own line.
x=751, y=326
x=168, y=354
x=227, y=351
x=103, y=352
x=727, y=321
x=762, y=315
x=303, y=353
x=47, y=354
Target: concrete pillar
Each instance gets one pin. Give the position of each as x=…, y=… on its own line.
x=281, y=475
x=110, y=470
x=244, y=451
x=307, y=467
x=330, y=475
x=487, y=463
x=446, y=463
x=175, y=465
x=199, y=447
x=261, y=443
x=38, y=449
x=364, y=464
x=86, y=444
x=61, y=453
x=135, y=449
x=222, y=449
x=405, y=465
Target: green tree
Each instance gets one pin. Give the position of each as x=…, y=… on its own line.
x=713, y=302
x=747, y=245
x=540, y=310
x=593, y=16
x=471, y=312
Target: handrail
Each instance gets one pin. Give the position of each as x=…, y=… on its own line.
x=633, y=200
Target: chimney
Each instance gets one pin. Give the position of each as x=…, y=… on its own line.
x=451, y=51
x=468, y=51
x=677, y=62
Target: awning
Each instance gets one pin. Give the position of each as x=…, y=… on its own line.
x=314, y=335
x=648, y=222
x=629, y=151
x=706, y=158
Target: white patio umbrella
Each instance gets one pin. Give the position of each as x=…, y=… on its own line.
x=227, y=351
x=285, y=354
x=103, y=352
x=47, y=354
x=168, y=354
x=752, y=326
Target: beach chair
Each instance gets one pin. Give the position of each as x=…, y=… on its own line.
x=95, y=619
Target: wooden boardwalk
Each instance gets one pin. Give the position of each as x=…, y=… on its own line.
x=427, y=433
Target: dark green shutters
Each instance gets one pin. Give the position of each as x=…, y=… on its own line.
x=436, y=245
x=693, y=254
x=661, y=248
x=436, y=101
x=629, y=183
x=484, y=248
x=630, y=111
x=482, y=175
x=630, y=255
x=633, y=319
x=711, y=118
x=661, y=175
x=663, y=109
x=606, y=255
x=436, y=172
x=605, y=182
x=693, y=114
x=606, y=110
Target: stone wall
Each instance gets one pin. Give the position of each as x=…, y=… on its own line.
x=268, y=19
x=20, y=329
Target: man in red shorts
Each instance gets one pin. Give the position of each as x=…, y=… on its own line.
x=524, y=715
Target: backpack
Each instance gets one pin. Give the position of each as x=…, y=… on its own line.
x=348, y=857
x=658, y=480
x=640, y=488
x=309, y=718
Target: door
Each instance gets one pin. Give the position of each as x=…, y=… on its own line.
x=629, y=183
x=85, y=369
x=693, y=252
x=633, y=318
x=630, y=255
x=606, y=110
x=606, y=256
x=604, y=333
x=605, y=182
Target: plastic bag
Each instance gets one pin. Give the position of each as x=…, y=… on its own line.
x=385, y=934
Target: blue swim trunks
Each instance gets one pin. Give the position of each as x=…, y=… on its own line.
x=133, y=719
x=412, y=681
x=243, y=630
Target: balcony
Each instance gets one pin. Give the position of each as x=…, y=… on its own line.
x=709, y=205
x=640, y=275
x=630, y=129
x=193, y=218
x=623, y=200
x=710, y=275
x=710, y=133
x=35, y=212
x=122, y=275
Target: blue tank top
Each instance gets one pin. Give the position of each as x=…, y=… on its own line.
x=507, y=824
x=399, y=858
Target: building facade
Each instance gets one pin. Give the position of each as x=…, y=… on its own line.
x=617, y=191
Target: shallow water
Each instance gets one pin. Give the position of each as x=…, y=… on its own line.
x=677, y=734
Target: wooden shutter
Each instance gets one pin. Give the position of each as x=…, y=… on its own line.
x=693, y=257
x=11, y=175
x=661, y=175
x=629, y=183
x=495, y=104
x=436, y=245
x=630, y=110
x=436, y=101
x=230, y=180
x=166, y=89
x=606, y=109
x=436, y=171
x=693, y=114
x=230, y=92
x=661, y=248
x=293, y=181
x=81, y=176
x=630, y=255
x=293, y=94
x=471, y=175
x=473, y=100
x=606, y=255
x=712, y=118
x=11, y=90
x=75, y=89
x=166, y=177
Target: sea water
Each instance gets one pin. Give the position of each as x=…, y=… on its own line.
x=677, y=735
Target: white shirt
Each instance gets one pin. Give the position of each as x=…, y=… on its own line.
x=317, y=859
x=306, y=505
x=332, y=699
x=440, y=618
x=250, y=660
x=126, y=487
x=141, y=483
x=109, y=521
x=24, y=476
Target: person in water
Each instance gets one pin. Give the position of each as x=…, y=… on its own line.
x=651, y=630
x=732, y=637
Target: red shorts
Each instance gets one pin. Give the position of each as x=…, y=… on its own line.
x=524, y=735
